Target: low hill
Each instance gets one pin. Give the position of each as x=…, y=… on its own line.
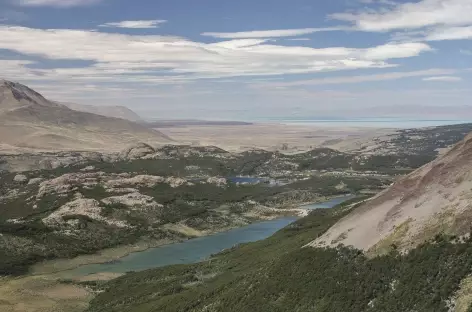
x=29, y=120
x=108, y=111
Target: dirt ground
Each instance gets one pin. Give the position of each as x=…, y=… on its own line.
x=41, y=294
x=290, y=138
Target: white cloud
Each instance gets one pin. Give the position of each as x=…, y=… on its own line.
x=401, y=50
x=412, y=15
x=135, y=24
x=443, y=78
x=449, y=33
x=299, y=39
x=363, y=78
x=271, y=33
x=55, y=3
x=239, y=43
x=155, y=59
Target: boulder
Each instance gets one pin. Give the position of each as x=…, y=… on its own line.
x=35, y=181
x=137, y=151
x=21, y=178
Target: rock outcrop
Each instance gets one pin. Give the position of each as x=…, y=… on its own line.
x=80, y=207
x=137, y=151
x=135, y=201
x=20, y=178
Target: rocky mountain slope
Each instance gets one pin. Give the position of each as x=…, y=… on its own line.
x=435, y=199
x=29, y=120
x=108, y=111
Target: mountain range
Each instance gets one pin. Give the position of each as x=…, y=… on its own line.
x=115, y=111
x=28, y=120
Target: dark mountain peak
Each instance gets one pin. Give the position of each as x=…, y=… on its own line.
x=16, y=94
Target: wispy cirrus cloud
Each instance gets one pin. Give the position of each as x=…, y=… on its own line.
x=55, y=3
x=142, y=24
x=425, y=20
x=449, y=33
x=275, y=33
x=362, y=78
x=299, y=39
x=155, y=58
x=411, y=15
x=443, y=78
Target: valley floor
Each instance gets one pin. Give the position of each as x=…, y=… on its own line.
x=288, y=138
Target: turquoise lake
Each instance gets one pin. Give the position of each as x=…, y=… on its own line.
x=198, y=249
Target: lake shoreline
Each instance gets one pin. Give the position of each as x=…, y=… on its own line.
x=61, y=266
x=52, y=275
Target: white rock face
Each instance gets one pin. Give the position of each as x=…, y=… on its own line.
x=35, y=181
x=139, y=180
x=176, y=182
x=20, y=178
x=144, y=181
x=66, y=183
x=80, y=206
x=88, y=168
x=217, y=181
x=135, y=201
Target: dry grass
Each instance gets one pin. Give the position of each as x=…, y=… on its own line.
x=397, y=238
x=41, y=294
x=463, y=298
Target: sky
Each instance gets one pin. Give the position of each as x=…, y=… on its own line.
x=245, y=59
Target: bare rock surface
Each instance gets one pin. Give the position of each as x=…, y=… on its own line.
x=134, y=200
x=35, y=181
x=20, y=178
x=137, y=151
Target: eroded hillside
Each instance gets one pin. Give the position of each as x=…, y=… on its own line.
x=434, y=199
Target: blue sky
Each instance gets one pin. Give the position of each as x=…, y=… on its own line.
x=245, y=59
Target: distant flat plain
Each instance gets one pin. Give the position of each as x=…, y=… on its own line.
x=275, y=136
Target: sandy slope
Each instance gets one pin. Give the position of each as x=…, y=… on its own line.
x=109, y=111
x=435, y=198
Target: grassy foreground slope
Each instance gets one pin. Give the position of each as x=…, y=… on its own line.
x=277, y=274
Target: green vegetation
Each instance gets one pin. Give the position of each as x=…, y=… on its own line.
x=277, y=274
x=25, y=240
x=426, y=141
x=201, y=206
